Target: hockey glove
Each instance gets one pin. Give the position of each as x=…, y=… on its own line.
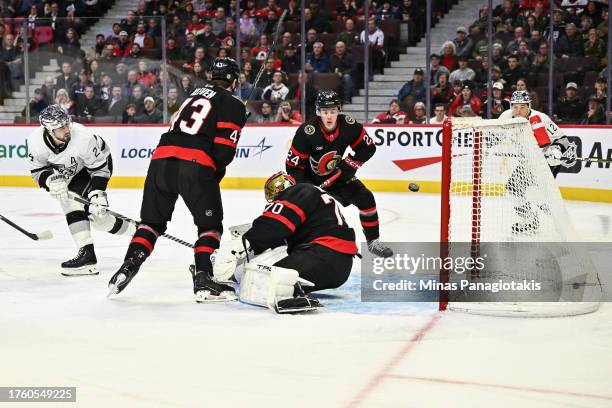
x=58, y=187
x=349, y=167
x=99, y=203
x=553, y=155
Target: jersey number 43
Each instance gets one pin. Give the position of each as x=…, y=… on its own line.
x=191, y=115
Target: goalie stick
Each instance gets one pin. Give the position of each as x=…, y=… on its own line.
x=81, y=200
x=35, y=236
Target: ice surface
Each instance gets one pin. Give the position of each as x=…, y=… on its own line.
x=153, y=346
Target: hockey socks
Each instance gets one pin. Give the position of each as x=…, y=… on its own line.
x=144, y=240
x=208, y=241
x=369, y=223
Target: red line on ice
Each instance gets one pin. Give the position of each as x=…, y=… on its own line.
x=390, y=365
x=506, y=387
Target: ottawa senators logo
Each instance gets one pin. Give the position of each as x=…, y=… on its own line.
x=326, y=164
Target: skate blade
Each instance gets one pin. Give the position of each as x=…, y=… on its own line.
x=113, y=288
x=83, y=271
x=204, y=296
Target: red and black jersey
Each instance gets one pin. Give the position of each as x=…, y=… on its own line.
x=205, y=129
x=315, y=153
x=302, y=214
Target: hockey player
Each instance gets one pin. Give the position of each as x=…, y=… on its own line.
x=190, y=161
x=67, y=157
x=319, y=243
x=316, y=157
x=555, y=147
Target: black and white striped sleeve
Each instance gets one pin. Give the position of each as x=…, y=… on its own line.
x=99, y=163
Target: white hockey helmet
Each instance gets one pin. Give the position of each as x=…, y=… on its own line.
x=54, y=117
x=520, y=97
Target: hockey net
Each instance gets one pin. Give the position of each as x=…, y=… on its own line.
x=497, y=188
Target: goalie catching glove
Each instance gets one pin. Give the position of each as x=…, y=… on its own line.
x=98, y=203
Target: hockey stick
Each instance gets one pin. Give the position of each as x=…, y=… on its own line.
x=263, y=64
x=35, y=236
x=81, y=200
x=589, y=159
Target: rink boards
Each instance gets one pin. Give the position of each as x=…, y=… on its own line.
x=405, y=154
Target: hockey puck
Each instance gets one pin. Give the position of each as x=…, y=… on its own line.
x=413, y=187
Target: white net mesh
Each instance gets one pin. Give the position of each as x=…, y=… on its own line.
x=502, y=190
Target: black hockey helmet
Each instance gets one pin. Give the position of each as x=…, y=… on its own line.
x=225, y=69
x=327, y=99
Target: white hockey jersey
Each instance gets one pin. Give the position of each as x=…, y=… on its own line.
x=84, y=151
x=544, y=129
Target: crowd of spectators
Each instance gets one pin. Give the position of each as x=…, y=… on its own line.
x=122, y=80
x=118, y=80
x=520, y=61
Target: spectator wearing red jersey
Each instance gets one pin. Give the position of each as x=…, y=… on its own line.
x=259, y=52
x=195, y=26
x=123, y=46
x=449, y=59
x=467, y=98
x=145, y=75
x=394, y=115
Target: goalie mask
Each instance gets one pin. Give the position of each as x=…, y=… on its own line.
x=54, y=117
x=326, y=163
x=277, y=183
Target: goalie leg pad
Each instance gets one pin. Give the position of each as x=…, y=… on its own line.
x=266, y=285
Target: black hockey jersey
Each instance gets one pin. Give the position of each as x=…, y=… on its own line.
x=302, y=214
x=205, y=129
x=315, y=153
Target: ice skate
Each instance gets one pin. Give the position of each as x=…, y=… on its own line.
x=84, y=263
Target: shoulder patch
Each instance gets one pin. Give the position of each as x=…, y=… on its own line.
x=349, y=119
x=309, y=130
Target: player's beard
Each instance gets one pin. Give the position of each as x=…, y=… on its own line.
x=60, y=142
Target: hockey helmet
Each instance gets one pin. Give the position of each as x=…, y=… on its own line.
x=520, y=97
x=277, y=183
x=54, y=117
x=327, y=99
x=225, y=69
